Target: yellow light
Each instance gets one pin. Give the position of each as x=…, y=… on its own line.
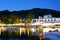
x=3, y=28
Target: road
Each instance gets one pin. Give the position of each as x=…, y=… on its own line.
x=52, y=35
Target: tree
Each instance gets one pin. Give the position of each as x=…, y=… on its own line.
x=10, y=19
x=29, y=17
x=14, y=18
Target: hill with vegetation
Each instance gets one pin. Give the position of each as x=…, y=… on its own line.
x=10, y=17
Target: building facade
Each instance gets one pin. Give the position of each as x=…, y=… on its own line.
x=46, y=20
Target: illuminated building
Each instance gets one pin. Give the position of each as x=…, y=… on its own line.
x=46, y=20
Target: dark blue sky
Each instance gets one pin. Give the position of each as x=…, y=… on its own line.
x=29, y=4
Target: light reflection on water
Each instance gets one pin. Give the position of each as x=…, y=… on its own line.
x=15, y=29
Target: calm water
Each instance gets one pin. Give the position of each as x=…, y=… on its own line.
x=17, y=39
x=14, y=39
x=20, y=38
x=12, y=31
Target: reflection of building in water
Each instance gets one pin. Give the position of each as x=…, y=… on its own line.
x=21, y=30
x=46, y=20
x=28, y=30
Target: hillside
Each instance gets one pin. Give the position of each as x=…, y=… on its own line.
x=15, y=16
x=36, y=11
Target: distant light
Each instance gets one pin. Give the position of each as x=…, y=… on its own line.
x=33, y=30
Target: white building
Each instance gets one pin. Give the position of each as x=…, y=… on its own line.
x=46, y=20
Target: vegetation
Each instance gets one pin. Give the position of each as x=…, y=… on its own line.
x=12, y=17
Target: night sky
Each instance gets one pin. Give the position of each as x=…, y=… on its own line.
x=29, y=4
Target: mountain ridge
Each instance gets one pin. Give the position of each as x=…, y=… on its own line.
x=36, y=11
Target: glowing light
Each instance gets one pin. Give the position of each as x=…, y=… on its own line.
x=3, y=28
x=33, y=30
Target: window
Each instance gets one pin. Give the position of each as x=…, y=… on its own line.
x=41, y=20
x=53, y=27
x=51, y=19
x=34, y=21
x=54, y=19
x=45, y=20
x=48, y=19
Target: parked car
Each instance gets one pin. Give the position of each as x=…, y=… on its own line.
x=53, y=30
